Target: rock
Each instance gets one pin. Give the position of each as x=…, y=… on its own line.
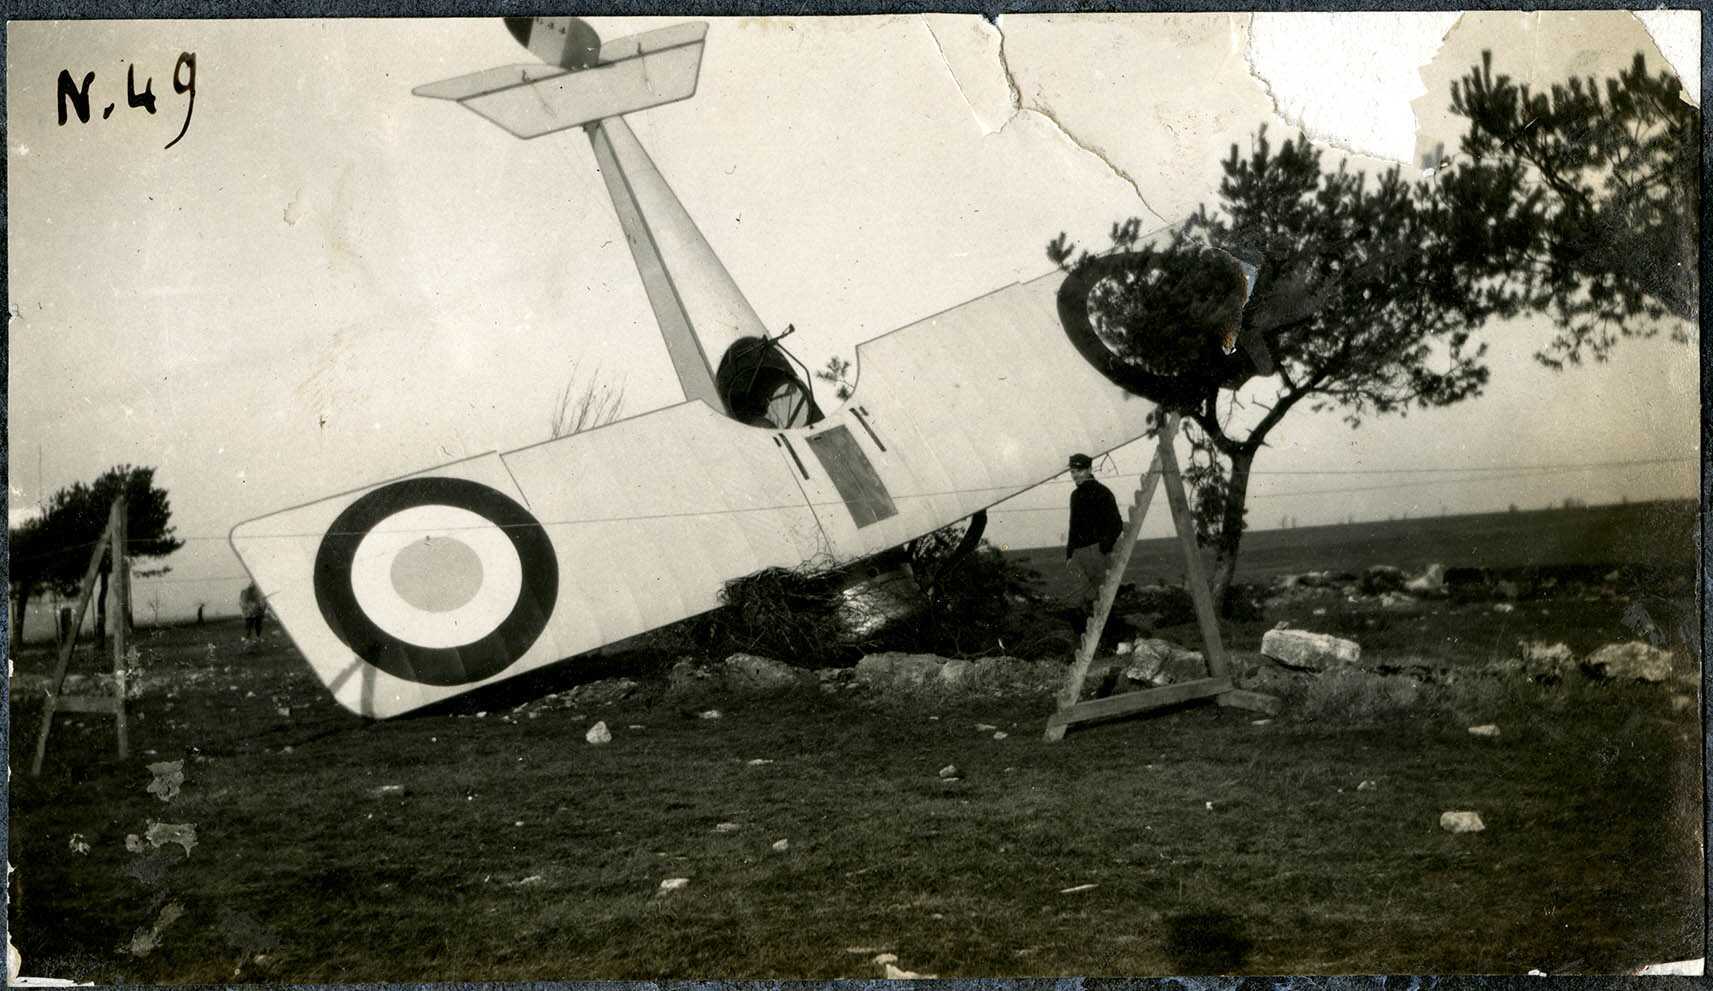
x=1635, y=661
x=1429, y=582
x=781, y=845
x=1487, y=730
x=1682, y=703
x=949, y=772
x=168, y=778
x=1544, y=661
x=886, y=958
x=1504, y=607
x=726, y=827
x=1398, y=601
x=1000, y=734
x=134, y=843
x=388, y=791
x=1382, y=578
x=894, y=973
x=686, y=678
x=1461, y=822
x=893, y=669
x=1310, y=651
x=754, y=673
x=985, y=727
x=1368, y=786
x=708, y=714
x=674, y=884
x=78, y=844
x=1161, y=662
x=599, y=734
x=161, y=833
x=1122, y=649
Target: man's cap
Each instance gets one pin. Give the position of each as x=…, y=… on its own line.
x=1081, y=462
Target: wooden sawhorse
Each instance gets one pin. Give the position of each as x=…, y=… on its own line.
x=1217, y=685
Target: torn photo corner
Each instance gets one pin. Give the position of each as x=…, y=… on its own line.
x=577, y=470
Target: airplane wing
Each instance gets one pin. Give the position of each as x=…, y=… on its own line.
x=415, y=590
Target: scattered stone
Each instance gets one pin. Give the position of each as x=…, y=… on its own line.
x=759, y=761
x=1260, y=722
x=134, y=843
x=284, y=711
x=1681, y=703
x=1398, y=601
x=599, y=734
x=710, y=714
x=1487, y=730
x=168, y=776
x=1078, y=889
x=687, y=678
x=1321, y=611
x=1508, y=590
x=985, y=727
x=1000, y=734
x=1161, y=662
x=1636, y=661
x=1504, y=607
x=1309, y=651
x=1461, y=822
x=754, y=673
x=673, y=884
x=1122, y=649
x=78, y=844
x=1544, y=661
x=160, y=834
x=895, y=669
x=388, y=791
x=781, y=845
x=1367, y=786
x=1429, y=582
x=726, y=827
x=950, y=772
x=894, y=973
x=886, y=958
x=532, y=879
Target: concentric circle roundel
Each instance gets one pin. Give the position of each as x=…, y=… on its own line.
x=440, y=581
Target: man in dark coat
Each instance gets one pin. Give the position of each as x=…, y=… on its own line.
x=1095, y=527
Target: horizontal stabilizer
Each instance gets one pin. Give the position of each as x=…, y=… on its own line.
x=487, y=81
x=635, y=73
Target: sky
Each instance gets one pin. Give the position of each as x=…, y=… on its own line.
x=328, y=282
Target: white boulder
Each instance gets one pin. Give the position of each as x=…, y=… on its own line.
x=1310, y=651
x=1634, y=661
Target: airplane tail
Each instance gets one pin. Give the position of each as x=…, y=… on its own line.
x=628, y=74
x=701, y=312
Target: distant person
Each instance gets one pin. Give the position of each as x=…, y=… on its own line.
x=254, y=608
x=1094, y=530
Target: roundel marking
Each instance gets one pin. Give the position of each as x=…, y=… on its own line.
x=439, y=581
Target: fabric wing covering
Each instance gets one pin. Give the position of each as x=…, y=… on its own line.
x=416, y=590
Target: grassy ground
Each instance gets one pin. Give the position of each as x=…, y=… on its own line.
x=517, y=850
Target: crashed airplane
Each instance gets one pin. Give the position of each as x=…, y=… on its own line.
x=408, y=592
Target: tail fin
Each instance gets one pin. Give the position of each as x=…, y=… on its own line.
x=630, y=74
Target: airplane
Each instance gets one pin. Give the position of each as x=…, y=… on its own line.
x=408, y=592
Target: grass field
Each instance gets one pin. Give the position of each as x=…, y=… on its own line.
x=515, y=850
